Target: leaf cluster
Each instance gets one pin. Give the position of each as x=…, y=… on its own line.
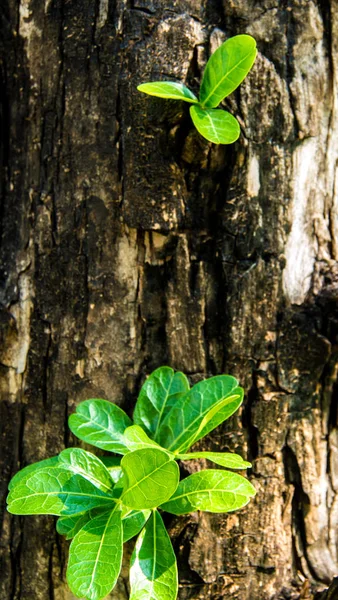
x=104, y=501
x=225, y=70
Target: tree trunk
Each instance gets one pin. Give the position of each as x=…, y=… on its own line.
x=130, y=242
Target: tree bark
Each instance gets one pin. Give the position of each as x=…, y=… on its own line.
x=129, y=242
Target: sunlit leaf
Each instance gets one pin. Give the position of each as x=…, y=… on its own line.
x=136, y=439
x=218, y=413
x=56, y=491
x=159, y=393
x=100, y=423
x=226, y=69
x=150, y=476
x=168, y=89
x=153, y=570
x=178, y=430
x=225, y=459
x=95, y=556
x=89, y=466
x=42, y=464
x=216, y=125
x=212, y=491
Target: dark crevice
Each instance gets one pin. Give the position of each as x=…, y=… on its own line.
x=182, y=546
x=194, y=73
x=45, y=372
x=300, y=506
x=325, y=9
x=289, y=66
x=247, y=419
x=50, y=574
x=143, y=10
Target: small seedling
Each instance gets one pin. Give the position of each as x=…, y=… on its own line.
x=225, y=70
x=103, y=502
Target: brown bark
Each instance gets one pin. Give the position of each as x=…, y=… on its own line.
x=129, y=242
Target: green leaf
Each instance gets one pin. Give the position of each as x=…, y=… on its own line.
x=153, y=567
x=225, y=459
x=150, y=476
x=55, y=491
x=69, y=526
x=226, y=69
x=212, y=490
x=100, y=423
x=158, y=394
x=136, y=439
x=133, y=523
x=178, y=430
x=89, y=466
x=48, y=462
x=218, y=413
x=95, y=556
x=216, y=125
x=168, y=89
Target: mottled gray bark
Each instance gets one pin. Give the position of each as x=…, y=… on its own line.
x=129, y=242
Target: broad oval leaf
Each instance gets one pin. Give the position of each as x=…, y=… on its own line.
x=159, y=393
x=225, y=459
x=150, y=476
x=168, y=89
x=216, y=125
x=100, y=423
x=153, y=567
x=212, y=491
x=133, y=522
x=178, y=431
x=219, y=413
x=42, y=464
x=226, y=69
x=55, y=491
x=89, y=466
x=136, y=439
x=95, y=556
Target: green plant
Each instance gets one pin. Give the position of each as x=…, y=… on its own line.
x=103, y=502
x=225, y=70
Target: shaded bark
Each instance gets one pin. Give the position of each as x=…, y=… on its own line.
x=129, y=242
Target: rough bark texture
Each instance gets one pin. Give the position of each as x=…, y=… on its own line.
x=129, y=242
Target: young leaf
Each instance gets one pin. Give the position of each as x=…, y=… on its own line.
x=212, y=490
x=95, y=556
x=226, y=69
x=216, y=125
x=100, y=423
x=158, y=394
x=151, y=475
x=89, y=466
x=225, y=459
x=153, y=567
x=133, y=523
x=178, y=430
x=55, y=491
x=136, y=439
x=168, y=89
